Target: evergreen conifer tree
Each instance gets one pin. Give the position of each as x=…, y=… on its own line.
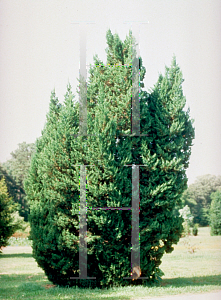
x=109, y=150
x=215, y=213
x=53, y=192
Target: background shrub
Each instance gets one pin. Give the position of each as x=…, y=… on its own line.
x=195, y=230
x=215, y=213
x=10, y=221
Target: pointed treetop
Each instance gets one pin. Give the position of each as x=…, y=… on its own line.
x=114, y=50
x=68, y=98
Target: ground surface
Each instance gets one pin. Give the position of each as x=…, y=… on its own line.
x=204, y=296
x=192, y=272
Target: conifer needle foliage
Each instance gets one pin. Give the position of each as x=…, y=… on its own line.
x=53, y=186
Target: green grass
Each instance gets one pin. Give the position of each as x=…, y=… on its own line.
x=185, y=272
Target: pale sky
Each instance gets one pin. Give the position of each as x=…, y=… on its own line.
x=39, y=51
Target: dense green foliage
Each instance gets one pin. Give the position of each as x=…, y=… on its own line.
x=52, y=186
x=15, y=170
x=19, y=164
x=10, y=221
x=195, y=230
x=12, y=186
x=215, y=213
x=198, y=197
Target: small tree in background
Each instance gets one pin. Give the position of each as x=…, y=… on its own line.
x=17, y=169
x=19, y=164
x=10, y=221
x=195, y=229
x=14, y=189
x=215, y=213
x=188, y=219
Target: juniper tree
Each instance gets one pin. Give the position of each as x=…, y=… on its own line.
x=165, y=151
x=109, y=150
x=50, y=185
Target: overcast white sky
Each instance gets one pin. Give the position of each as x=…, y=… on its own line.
x=39, y=51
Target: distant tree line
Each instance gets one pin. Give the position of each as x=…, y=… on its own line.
x=199, y=195
x=14, y=172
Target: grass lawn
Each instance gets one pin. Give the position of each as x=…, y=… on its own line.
x=193, y=267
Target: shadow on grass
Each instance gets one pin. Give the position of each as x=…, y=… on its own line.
x=17, y=255
x=12, y=284
x=36, y=286
x=192, y=281
x=41, y=281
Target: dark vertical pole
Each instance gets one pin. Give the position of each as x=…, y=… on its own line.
x=83, y=225
x=135, y=254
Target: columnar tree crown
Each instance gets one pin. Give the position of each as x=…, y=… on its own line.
x=109, y=149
